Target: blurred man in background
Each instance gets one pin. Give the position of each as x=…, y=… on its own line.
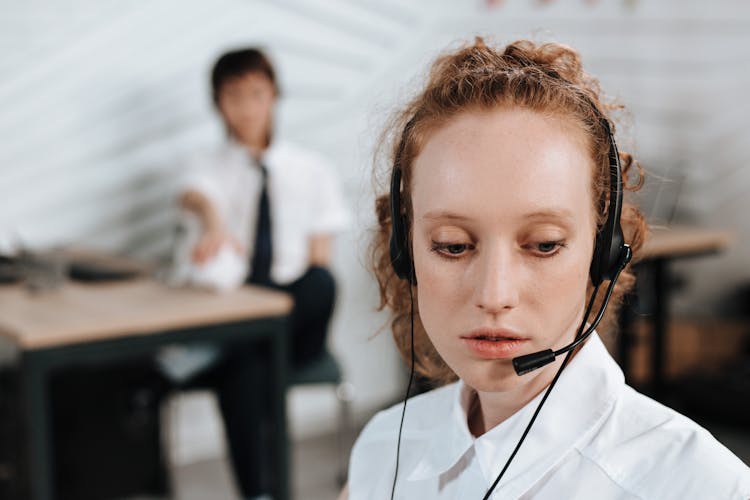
x=264, y=213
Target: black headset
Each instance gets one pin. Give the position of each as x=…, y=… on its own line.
x=399, y=244
x=609, y=249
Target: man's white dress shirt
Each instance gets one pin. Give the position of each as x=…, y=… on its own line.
x=595, y=438
x=305, y=200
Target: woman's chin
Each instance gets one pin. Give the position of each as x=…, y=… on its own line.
x=494, y=376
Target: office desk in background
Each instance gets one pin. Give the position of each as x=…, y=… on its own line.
x=97, y=323
x=664, y=246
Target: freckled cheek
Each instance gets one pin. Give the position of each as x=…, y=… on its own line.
x=438, y=292
x=432, y=281
x=560, y=290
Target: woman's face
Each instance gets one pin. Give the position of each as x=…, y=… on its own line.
x=503, y=237
x=246, y=104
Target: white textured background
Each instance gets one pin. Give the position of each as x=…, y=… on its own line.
x=101, y=100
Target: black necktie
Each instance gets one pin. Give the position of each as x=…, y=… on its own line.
x=260, y=266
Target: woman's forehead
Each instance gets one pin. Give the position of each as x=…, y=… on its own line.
x=513, y=160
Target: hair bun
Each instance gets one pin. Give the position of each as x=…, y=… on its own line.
x=556, y=60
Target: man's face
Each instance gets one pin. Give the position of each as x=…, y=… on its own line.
x=246, y=104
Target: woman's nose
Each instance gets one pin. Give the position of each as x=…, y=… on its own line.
x=497, y=281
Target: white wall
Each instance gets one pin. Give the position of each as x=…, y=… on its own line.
x=101, y=99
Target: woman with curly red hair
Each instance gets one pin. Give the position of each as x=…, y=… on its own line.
x=504, y=218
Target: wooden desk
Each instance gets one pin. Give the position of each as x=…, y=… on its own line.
x=108, y=322
x=664, y=246
x=673, y=242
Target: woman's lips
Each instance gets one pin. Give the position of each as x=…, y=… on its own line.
x=495, y=344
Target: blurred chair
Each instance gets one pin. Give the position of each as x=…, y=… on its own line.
x=326, y=370
x=323, y=370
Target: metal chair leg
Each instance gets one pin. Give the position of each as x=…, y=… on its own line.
x=168, y=414
x=345, y=394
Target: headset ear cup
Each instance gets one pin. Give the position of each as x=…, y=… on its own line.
x=610, y=245
x=607, y=260
x=596, y=262
x=617, y=251
x=399, y=259
x=398, y=245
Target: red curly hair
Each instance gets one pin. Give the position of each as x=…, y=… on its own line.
x=546, y=78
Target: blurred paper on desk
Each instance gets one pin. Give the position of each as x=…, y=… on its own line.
x=225, y=271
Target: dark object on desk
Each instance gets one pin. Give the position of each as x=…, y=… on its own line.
x=106, y=431
x=94, y=272
x=10, y=271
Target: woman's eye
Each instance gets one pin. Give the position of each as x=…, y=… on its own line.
x=450, y=249
x=548, y=247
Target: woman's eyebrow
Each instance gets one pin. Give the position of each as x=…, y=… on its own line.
x=553, y=213
x=444, y=215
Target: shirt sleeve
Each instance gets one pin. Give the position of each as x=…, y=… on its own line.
x=332, y=214
x=201, y=178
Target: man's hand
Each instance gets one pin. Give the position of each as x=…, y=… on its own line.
x=215, y=234
x=320, y=249
x=211, y=242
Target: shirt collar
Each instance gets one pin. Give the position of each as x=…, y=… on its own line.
x=239, y=152
x=566, y=419
x=449, y=440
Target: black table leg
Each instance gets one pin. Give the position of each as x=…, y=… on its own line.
x=282, y=472
x=36, y=427
x=661, y=318
x=626, y=337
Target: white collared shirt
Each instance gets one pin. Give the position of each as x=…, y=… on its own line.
x=304, y=195
x=595, y=438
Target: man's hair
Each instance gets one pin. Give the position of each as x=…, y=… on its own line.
x=238, y=63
